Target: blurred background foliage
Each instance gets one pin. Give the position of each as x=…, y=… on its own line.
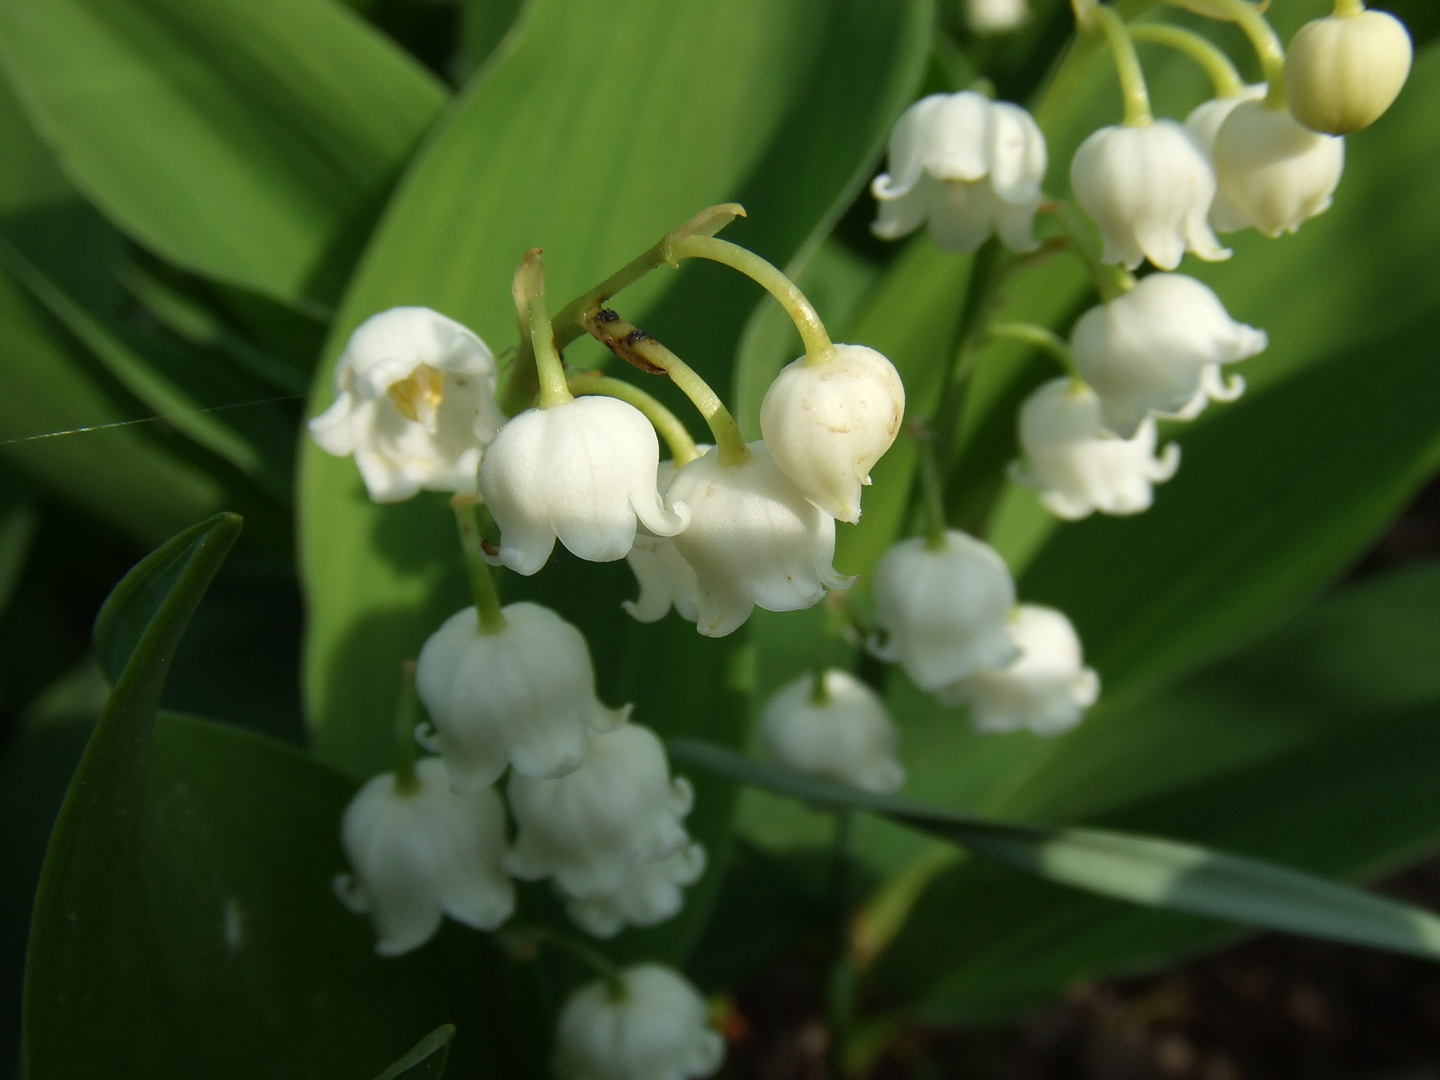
x=200, y=200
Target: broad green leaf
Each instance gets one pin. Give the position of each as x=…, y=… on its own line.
x=1140, y=869
x=1313, y=748
x=86, y=948
x=249, y=141
x=18, y=518
x=427, y=1060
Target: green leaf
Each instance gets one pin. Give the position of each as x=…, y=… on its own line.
x=249, y=141
x=1313, y=747
x=1142, y=870
x=84, y=946
x=427, y=1060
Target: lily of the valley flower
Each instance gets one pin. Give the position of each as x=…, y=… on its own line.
x=415, y=404
x=652, y=1026
x=827, y=423
x=967, y=165
x=522, y=696
x=583, y=471
x=996, y=16
x=1047, y=689
x=423, y=853
x=664, y=577
x=841, y=731
x=1149, y=189
x=945, y=611
x=1080, y=467
x=1343, y=71
x=1275, y=172
x=650, y=894
x=1158, y=349
x=589, y=829
x=753, y=539
x=1203, y=124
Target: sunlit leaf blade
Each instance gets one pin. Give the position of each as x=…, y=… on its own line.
x=86, y=948
x=427, y=1060
x=1143, y=870
x=250, y=141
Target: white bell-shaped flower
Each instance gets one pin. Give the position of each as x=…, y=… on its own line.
x=664, y=577
x=944, y=612
x=1203, y=123
x=753, y=539
x=524, y=696
x=1079, y=466
x=584, y=472
x=414, y=402
x=423, y=853
x=1158, y=348
x=996, y=16
x=841, y=731
x=1149, y=189
x=589, y=829
x=651, y=1027
x=1046, y=690
x=1275, y=172
x=1343, y=71
x=827, y=423
x=651, y=894
x=967, y=165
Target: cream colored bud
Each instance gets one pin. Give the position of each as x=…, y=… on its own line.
x=1343, y=71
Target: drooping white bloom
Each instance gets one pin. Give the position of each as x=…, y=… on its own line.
x=664, y=577
x=1343, y=71
x=827, y=423
x=1046, y=690
x=414, y=402
x=1203, y=123
x=944, y=611
x=524, y=696
x=1080, y=467
x=584, y=472
x=753, y=539
x=967, y=165
x=846, y=736
x=651, y=894
x=1275, y=172
x=421, y=854
x=996, y=16
x=1149, y=189
x=589, y=829
x=653, y=1029
x=1158, y=348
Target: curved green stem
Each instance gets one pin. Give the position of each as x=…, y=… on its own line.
x=1223, y=76
x=407, y=708
x=1127, y=66
x=812, y=331
x=1059, y=89
x=482, y=584
x=932, y=490
x=1348, y=9
x=1110, y=281
x=636, y=347
x=591, y=957
x=1041, y=337
x=528, y=289
x=677, y=438
x=1265, y=42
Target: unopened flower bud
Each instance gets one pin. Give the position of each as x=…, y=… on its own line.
x=651, y=1027
x=1343, y=71
x=944, y=612
x=753, y=539
x=1046, y=690
x=1158, y=349
x=967, y=165
x=1275, y=173
x=1149, y=189
x=650, y=894
x=827, y=423
x=590, y=828
x=844, y=734
x=415, y=404
x=423, y=853
x=584, y=472
x=996, y=16
x=523, y=696
x=1080, y=467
